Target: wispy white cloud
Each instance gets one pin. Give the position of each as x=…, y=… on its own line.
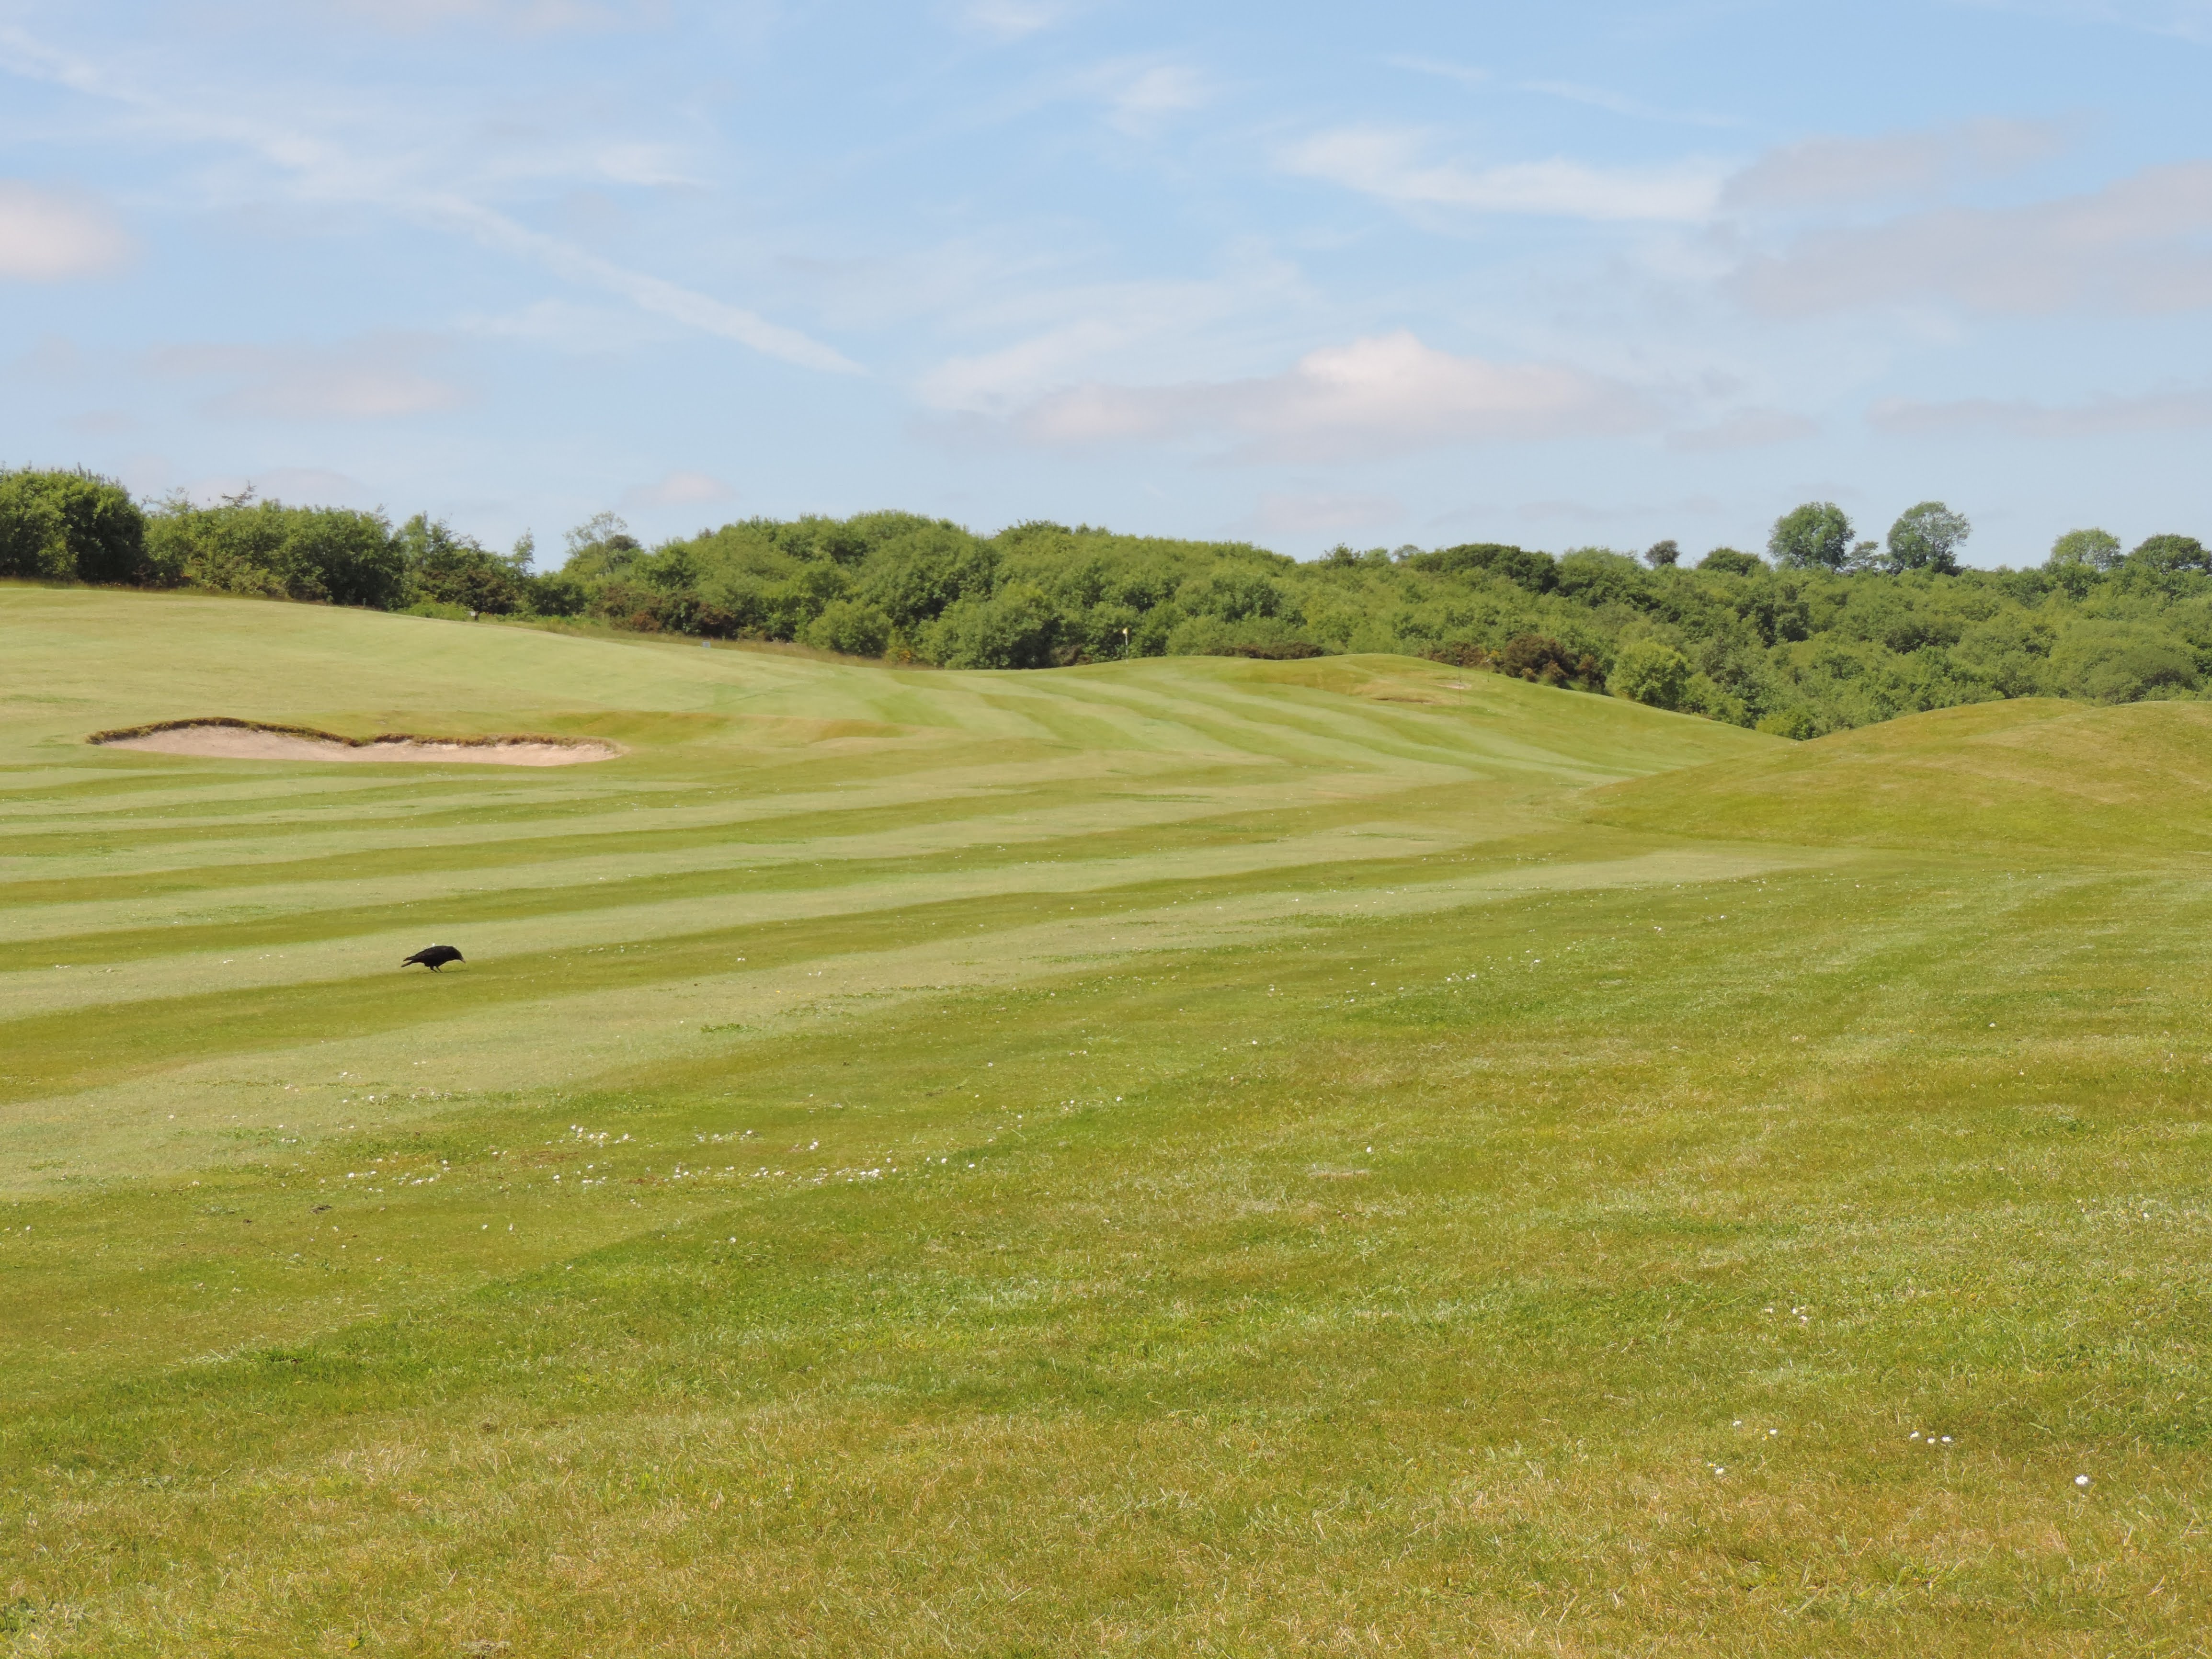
x=1290, y=515
x=647, y=293
x=567, y=326
x=1749, y=428
x=1070, y=333
x=678, y=489
x=1393, y=164
x=1466, y=74
x=1387, y=395
x=326, y=170
x=2135, y=245
x=51, y=236
x=1830, y=172
x=1614, y=103
x=2161, y=411
x=1012, y=20
x=1582, y=512
x=103, y=422
x=2186, y=19
x=520, y=16
x=365, y=380
x=1143, y=98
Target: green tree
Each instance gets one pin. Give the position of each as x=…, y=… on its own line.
x=1013, y=629
x=1816, y=536
x=1730, y=562
x=2122, y=662
x=1926, y=537
x=1648, y=671
x=321, y=555
x=857, y=630
x=1663, y=556
x=2165, y=554
x=2099, y=550
x=453, y=569
x=913, y=576
x=70, y=526
x=601, y=546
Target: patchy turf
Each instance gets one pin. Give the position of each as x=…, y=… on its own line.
x=1186, y=1156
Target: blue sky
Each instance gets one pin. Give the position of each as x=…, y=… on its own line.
x=1562, y=274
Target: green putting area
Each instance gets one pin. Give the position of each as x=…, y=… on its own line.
x=1191, y=1156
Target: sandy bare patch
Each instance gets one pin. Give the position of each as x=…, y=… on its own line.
x=223, y=739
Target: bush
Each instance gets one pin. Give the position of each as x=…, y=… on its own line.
x=854, y=629
x=2122, y=662
x=1814, y=536
x=1729, y=562
x=70, y=527
x=1458, y=653
x=1545, y=661
x=1013, y=629
x=1648, y=671
x=457, y=570
x=557, y=595
x=1535, y=572
x=324, y=554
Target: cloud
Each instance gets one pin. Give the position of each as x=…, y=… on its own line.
x=1569, y=91
x=1280, y=515
x=2187, y=19
x=326, y=171
x=46, y=236
x=2134, y=247
x=1467, y=75
x=1750, y=428
x=1144, y=99
x=1559, y=511
x=1382, y=395
x=1066, y=335
x=1011, y=20
x=650, y=294
x=2163, y=412
x=103, y=422
x=368, y=381
x=518, y=16
x=1389, y=163
x=678, y=489
x=1830, y=171
x=1614, y=104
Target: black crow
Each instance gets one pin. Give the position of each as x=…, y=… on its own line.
x=434, y=957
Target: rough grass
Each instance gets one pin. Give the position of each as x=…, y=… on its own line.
x=1199, y=1156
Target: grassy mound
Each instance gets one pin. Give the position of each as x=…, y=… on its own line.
x=2035, y=772
x=1189, y=1156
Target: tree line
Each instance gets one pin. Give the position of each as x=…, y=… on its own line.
x=1826, y=631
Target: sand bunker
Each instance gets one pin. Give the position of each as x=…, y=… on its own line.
x=230, y=740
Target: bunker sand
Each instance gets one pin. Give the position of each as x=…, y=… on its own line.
x=224, y=740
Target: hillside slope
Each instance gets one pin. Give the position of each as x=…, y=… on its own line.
x=759, y=791
x=1192, y=1156
x=2033, y=773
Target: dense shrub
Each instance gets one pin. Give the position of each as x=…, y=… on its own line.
x=70, y=527
x=243, y=546
x=1844, y=636
x=1647, y=672
x=456, y=570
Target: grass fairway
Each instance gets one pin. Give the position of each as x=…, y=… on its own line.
x=1189, y=1157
